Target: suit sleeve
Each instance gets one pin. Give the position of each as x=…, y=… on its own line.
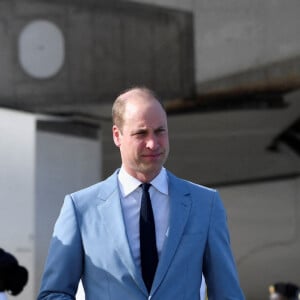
x=63, y=267
x=219, y=267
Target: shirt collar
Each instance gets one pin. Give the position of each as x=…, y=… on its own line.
x=160, y=182
x=128, y=183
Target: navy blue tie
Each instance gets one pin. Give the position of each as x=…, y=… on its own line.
x=149, y=256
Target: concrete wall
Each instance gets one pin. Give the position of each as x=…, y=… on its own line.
x=233, y=36
x=173, y=46
x=264, y=220
x=104, y=47
x=38, y=166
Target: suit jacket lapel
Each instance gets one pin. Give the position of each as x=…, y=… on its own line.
x=111, y=213
x=180, y=205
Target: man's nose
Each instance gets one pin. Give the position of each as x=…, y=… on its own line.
x=151, y=142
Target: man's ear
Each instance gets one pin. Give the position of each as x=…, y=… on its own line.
x=116, y=135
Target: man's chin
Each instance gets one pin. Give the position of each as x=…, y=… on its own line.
x=150, y=169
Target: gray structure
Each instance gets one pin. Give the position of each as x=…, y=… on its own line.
x=106, y=47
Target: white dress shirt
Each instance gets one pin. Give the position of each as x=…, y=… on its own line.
x=131, y=194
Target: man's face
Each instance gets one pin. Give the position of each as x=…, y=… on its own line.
x=143, y=139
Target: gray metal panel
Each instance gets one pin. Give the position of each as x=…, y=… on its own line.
x=6, y=70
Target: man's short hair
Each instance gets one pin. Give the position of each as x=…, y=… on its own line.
x=119, y=104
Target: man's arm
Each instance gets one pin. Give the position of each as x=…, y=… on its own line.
x=64, y=263
x=219, y=266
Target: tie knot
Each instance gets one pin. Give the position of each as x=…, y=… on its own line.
x=145, y=186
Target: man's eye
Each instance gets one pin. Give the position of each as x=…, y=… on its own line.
x=140, y=133
x=160, y=131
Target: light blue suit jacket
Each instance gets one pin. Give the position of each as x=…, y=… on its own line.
x=90, y=242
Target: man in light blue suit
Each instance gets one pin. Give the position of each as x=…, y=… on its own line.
x=97, y=235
